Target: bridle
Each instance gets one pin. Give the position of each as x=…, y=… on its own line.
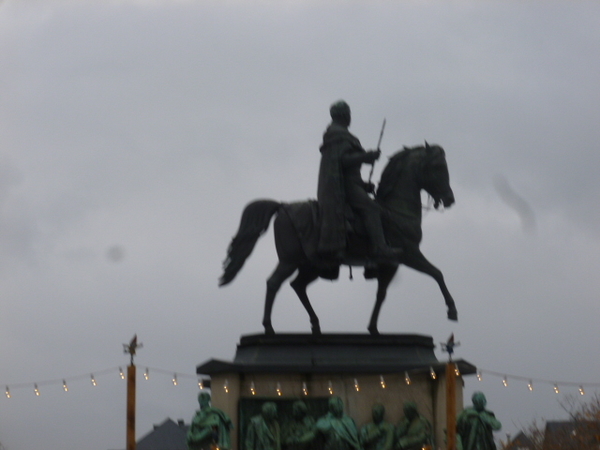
x=431, y=155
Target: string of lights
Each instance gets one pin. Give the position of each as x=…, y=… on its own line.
x=534, y=381
x=407, y=380
x=175, y=377
x=92, y=377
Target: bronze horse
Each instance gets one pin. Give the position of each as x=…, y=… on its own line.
x=408, y=171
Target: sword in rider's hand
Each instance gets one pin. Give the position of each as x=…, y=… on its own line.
x=378, y=145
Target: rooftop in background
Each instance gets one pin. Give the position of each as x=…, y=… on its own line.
x=169, y=435
x=560, y=435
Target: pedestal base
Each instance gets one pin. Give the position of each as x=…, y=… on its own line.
x=361, y=369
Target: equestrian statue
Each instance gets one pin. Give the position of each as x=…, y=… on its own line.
x=345, y=225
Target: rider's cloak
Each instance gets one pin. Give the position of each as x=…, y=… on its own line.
x=337, y=141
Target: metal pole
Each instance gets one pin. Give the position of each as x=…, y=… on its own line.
x=131, y=407
x=450, y=406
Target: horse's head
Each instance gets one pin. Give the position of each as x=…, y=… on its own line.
x=435, y=176
x=411, y=170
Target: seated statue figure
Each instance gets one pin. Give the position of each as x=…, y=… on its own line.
x=263, y=430
x=338, y=430
x=299, y=432
x=210, y=427
x=379, y=434
x=414, y=431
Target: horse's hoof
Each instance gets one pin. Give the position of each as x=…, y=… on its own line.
x=452, y=314
x=269, y=329
x=374, y=331
x=316, y=330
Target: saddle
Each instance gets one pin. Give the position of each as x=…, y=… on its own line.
x=305, y=219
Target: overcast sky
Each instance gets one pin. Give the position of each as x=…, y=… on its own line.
x=133, y=132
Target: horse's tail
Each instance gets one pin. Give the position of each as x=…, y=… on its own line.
x=255, y=221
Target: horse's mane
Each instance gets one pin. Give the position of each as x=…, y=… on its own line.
x=394, y=167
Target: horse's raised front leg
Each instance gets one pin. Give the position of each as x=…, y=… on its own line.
x=417, y=261
x=384, y=278
x=282, y=272
x=306, y=275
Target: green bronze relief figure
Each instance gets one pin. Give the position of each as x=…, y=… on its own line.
x=263, y=430
x=338, y=430
x=414, y=431
x=210, y=427
x=475, y=425
x=300, y=431
x=379, y=434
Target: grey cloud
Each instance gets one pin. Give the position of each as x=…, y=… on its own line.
x=139, y=130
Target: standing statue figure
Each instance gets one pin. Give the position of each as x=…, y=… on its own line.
x=210, y=427
x=414, y=431
x=298, y=433
x=338, y=430
x=379, y=434
x=263, y=430
x=475, y=425
x=341, y=185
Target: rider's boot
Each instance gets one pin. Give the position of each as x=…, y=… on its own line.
x=381, y=249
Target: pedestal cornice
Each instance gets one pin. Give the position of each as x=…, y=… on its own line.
x=332, y=353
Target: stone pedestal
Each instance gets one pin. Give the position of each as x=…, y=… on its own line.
x=361, y=369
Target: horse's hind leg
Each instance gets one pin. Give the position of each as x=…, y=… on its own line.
x=283, y=271
x=306, y=275
x=417, y=261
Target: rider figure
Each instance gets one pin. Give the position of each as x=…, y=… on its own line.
x=341, y=184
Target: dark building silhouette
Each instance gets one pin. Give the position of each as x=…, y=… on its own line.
x=169, y=435
x=561, y=435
